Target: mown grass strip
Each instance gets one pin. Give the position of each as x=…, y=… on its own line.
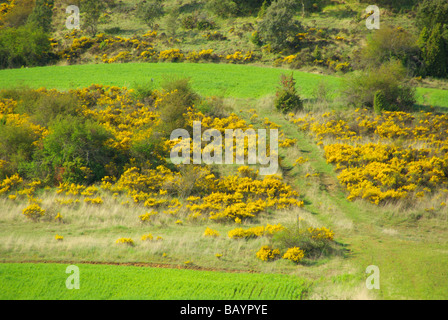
x=29, y=281
x=239, y=81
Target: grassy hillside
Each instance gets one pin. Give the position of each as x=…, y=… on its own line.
x=405, y=245
x=355, y=187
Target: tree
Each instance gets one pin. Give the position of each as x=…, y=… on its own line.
x=435, y=53
x=431, y=12
x=92, y=10
x=432, y=19
x=287, y=99
x=279, y=24
x=78, y=146
x=172, y=21
x=151, y=10
x=390, y=78
x=380, y=102
x=388, y=44
x=42, y=14
x=248, y=6
x=175, y=105
x=222, y=7
x=393, y=4
x=16, y=146
x=24, y=46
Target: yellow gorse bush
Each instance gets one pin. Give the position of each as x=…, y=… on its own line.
x=321, y=233
x=266, y=253
x=385, y=157
x=66, y=202
x=33, y=212
x=255, y=232
x=10, y=184
x=96, y=201
x=127, y=241
x=147, y=237
x=171, y=55
x=211, y=233
x=294, y=254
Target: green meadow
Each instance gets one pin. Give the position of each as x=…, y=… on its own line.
x=103, y=282
x=229, y=80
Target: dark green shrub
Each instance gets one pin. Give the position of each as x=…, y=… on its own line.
x=295, y=236
x=246, y=7
x=148, y=151
x=279, y=25
x=24, y=46
x=172, y=21
x=16, y=147
x=150, y=10
x=256, y=39
x=113, y=30
x=430, y=13
x=42, y=15
x=388, y=44
x=432, y=20
x=309, y=6
x=143, y=91
x=391, y=79
x=434, y=51
x=287, y=99
x=190, y=22
x=379, y=102
x=91, y=12
x=317, y=54
x=175, y=105
x=214, y=107
x=42, y=106
x=78, y=147
x=222, y=8
x=193, y=21
x=263, y=8
x=393, y=4
x=204, y=24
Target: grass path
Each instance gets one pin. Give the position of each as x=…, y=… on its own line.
x=411, y=256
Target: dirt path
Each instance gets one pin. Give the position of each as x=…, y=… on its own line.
x=134, y=264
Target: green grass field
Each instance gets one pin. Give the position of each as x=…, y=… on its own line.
x=238, y=81
x=102, y=282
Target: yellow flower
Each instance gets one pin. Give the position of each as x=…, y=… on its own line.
x=266, y=253
x=211, y=233
x=33, y=211
x=294, y=254
x=147, y=237
x=127, y=241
